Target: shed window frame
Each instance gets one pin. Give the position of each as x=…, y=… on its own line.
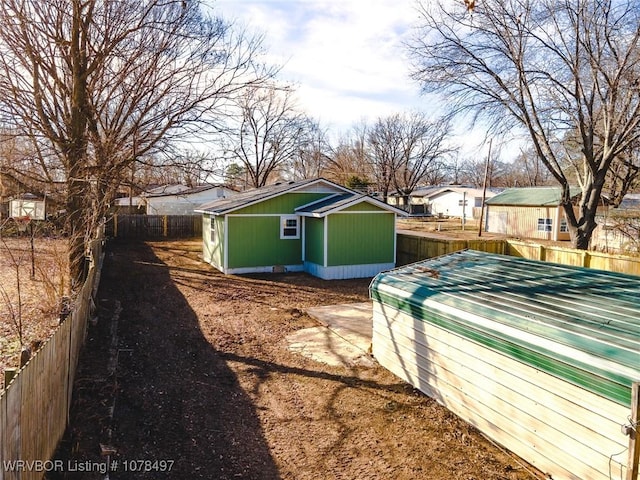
x=564, y=226
x=545, y=224
x=288, y=231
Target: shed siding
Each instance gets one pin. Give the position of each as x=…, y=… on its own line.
x=212, y=251
x=314, y=240
x=560, y=428
x=540, y=357
x=523, y=221
x=283, y=204
x=360, y=239
x=255, y=242
x=206, y=238
x=363, y=207
x=217, y=245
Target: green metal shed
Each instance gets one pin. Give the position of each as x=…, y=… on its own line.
x=312, y=225
x=541, y=357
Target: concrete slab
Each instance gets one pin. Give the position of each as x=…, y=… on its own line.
x=323, y=345
x=344, y=339
x=351, y=321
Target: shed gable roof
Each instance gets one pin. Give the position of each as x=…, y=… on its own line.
x=338, y=202
x=532, y=196
x=183, y=192
x=256, y=195
x=575, y=323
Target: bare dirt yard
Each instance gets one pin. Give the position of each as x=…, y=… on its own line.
x=195, y=367
x=29, y=306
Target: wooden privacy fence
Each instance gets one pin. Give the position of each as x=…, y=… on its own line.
x=579, y=258
x=34, y=407
x=149, y=227
x=413, y=248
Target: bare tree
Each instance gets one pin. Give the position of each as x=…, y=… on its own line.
x=384, y=147
x=426, y=146
x=348, y=160
x=624, y=176
x=313, y=156
x=407, y=150
x=546, y=67
x=95, y=84
x=528, y=171
x=266, y=134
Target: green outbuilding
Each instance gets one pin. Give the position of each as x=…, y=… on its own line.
x=313, y=225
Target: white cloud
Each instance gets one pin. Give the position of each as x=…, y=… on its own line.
x=346, y=55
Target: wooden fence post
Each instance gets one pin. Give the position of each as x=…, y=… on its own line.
x=634, y=436
x=9, y=374
x=164, y=226
x=115, y=226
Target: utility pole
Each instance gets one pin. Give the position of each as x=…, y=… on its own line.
x=484, y=189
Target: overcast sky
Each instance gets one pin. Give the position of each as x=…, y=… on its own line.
x=345, y=56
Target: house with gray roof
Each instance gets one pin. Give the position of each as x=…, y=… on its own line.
x=175, y=199
x=443, y=201
x=618, y=229
x=312, y=225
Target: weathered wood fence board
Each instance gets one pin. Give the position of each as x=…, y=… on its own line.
x=148, y=227
x=34, y=407
x=580, y=258
x=413, y=248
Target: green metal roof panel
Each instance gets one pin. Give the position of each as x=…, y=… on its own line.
x=534, y=196
x=579, y=324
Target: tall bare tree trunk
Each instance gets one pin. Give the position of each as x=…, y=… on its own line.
x=76, y=153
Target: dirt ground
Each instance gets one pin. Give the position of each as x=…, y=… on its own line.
x=34, y=311
x=194, y=366
x=446, y=228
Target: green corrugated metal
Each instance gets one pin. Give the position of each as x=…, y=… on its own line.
x=578, y=324
x=285, y=203
x=314, y=240
x=360, y=239
x=255, y=242
x=533, y=196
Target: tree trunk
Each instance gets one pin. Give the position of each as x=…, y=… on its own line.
x=76, y=153
x=75, y=228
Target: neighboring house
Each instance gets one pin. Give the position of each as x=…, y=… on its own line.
x=27, y=205
x=533, y=212
x=618, y=229
x=175, y=199
x=450, y=201
x=312, y=225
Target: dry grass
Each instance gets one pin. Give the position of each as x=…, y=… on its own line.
x=29, y=305
x=443, y=228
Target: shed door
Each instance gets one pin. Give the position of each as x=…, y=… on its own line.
x=497, y=222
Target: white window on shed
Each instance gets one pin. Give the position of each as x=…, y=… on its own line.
x=545, y=224
x=289, y=227
x=564, y=228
